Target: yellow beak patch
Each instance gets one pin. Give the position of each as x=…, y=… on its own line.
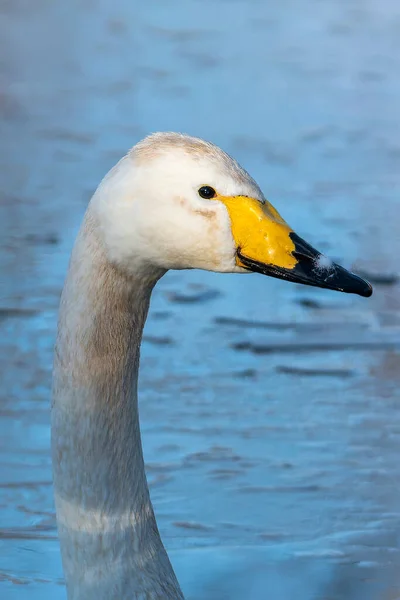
x=259, y=232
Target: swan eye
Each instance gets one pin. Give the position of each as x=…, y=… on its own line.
x=207, y=192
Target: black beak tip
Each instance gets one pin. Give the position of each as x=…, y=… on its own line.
x=346, y=281
x=366, y=289
x=352, y=283
x=332, y=276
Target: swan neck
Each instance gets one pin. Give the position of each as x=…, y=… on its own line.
x=109, y=539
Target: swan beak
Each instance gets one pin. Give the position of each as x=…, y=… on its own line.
x=266, y=244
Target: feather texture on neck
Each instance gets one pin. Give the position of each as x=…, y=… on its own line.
x=109, y=539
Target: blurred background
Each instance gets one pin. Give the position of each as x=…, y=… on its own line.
x=270, y=411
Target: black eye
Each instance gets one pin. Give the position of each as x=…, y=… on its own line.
x=207, y=192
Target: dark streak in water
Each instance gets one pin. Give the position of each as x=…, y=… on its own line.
x=246, y=374
x=253, y=324
x=49, y=238
x=26, y=534
x=25, y=484
x=158, y=340
x=315, y=372
x=192, y=525
x=309, y=303
x=259, y=489
x=287, y=326
x=12, y=312
x=317, y=345
x=193, y=298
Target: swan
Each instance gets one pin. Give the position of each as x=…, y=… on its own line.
x=173, y=202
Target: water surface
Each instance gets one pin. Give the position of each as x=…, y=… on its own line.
x=273, y=462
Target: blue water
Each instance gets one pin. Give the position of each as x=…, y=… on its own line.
x=273, y=475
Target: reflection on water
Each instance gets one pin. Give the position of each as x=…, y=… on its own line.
x=269, y=411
